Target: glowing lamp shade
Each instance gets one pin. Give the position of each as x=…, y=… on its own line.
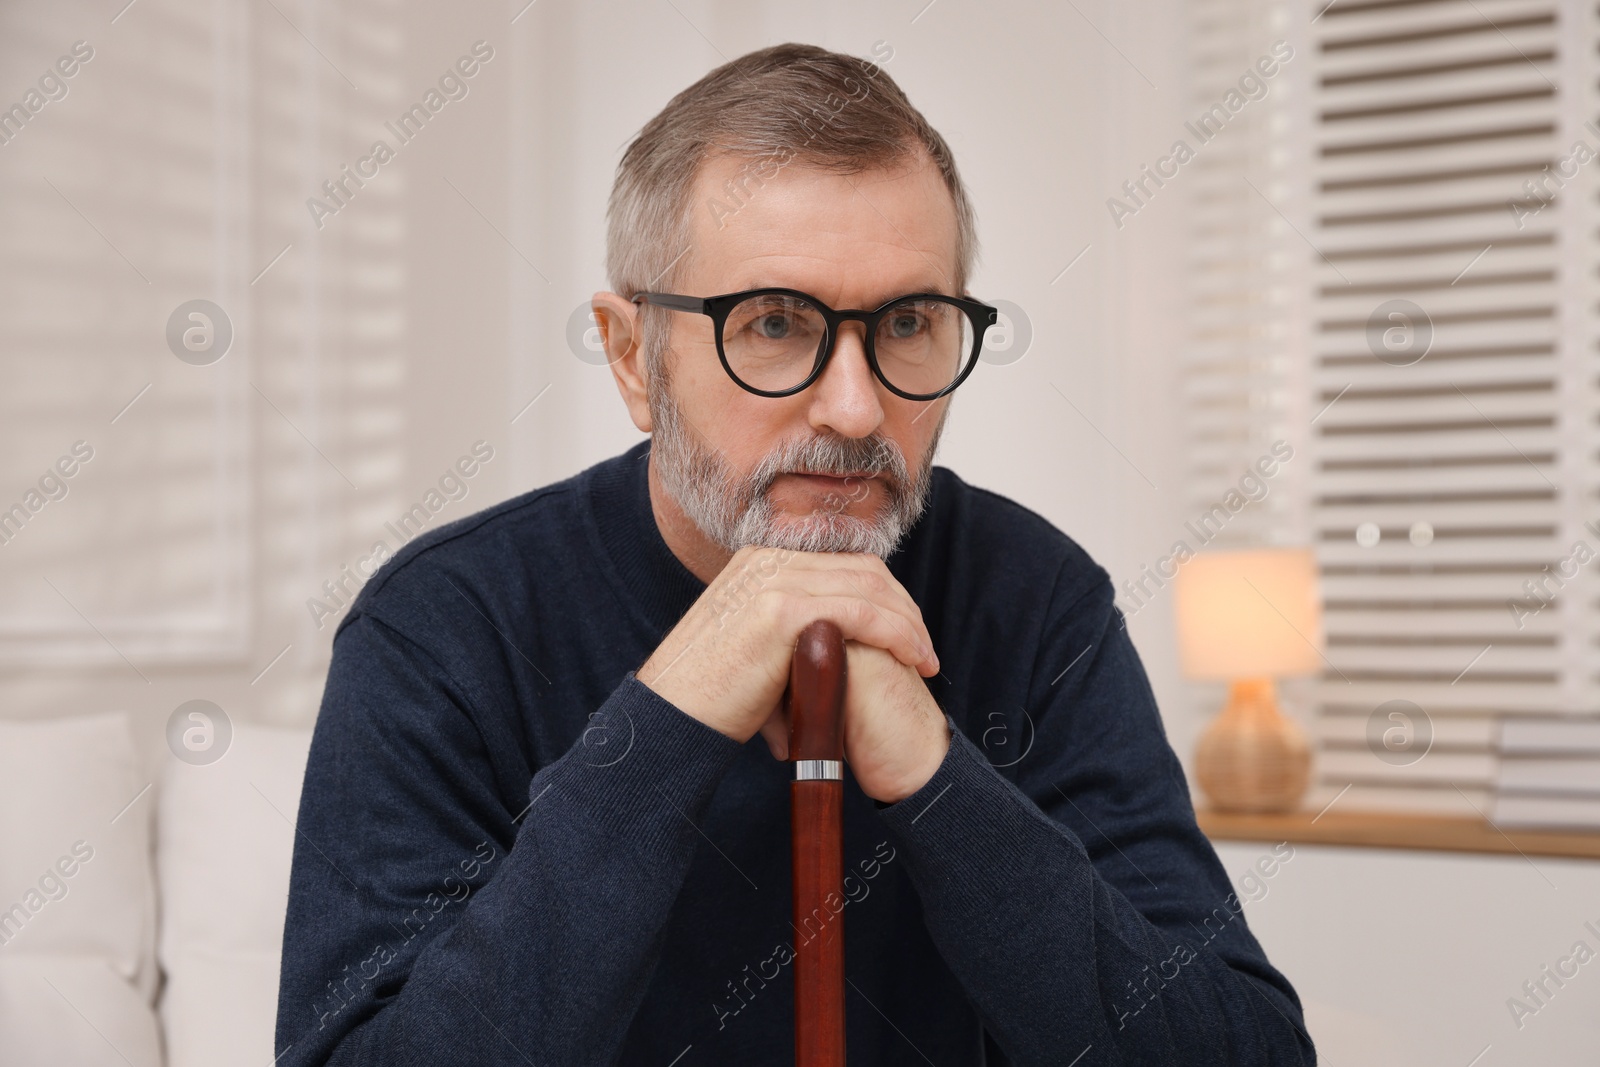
x=1251, y=614
x=1247, y=618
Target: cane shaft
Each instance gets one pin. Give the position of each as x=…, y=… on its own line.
x=816, y=804
x=819, y=923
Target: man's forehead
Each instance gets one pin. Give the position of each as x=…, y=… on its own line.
x=893, y=229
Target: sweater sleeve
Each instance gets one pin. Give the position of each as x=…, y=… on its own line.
x=427, y=924
x=1070, y=889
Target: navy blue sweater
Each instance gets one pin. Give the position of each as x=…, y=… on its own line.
x=511, y=851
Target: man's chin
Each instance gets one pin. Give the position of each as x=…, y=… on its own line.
x=821, y=532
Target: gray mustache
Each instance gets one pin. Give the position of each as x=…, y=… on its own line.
x=874, y=456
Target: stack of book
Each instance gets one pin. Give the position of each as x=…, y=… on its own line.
x=1549, y=773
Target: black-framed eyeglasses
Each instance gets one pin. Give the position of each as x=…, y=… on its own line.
x=776, y=342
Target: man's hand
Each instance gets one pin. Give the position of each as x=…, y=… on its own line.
x=895, y=735
x=726, y=663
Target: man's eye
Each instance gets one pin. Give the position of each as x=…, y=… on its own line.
x=905, y=325
x=773, y=326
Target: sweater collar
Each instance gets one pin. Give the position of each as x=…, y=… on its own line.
x=650, y=574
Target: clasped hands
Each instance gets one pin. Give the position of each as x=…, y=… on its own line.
x=726, y=663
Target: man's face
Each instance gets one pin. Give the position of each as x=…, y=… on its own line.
x=843, y=465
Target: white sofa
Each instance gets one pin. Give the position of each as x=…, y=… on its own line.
x=140, y=919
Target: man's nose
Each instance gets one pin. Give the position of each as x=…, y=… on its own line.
x=845, y=399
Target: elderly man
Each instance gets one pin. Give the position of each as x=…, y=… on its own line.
x=534, y=827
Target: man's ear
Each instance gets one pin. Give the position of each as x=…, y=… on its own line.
x=618, y=321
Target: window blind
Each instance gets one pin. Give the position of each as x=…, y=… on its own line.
x=1396, y=271
x=222, y=494
x=1452, y=349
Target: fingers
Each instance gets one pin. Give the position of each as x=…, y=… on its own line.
x=861, y=620
x=883, y=595
x=895, y=621
x=727, y=661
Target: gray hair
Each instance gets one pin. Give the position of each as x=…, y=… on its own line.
x=783, y=104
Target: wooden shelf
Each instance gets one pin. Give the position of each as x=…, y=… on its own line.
x=1360, y=829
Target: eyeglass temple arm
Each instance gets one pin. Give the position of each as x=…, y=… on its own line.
x=673, y=301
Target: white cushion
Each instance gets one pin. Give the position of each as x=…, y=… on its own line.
x=77, y=894
x=74, y=1012
x=226, y=840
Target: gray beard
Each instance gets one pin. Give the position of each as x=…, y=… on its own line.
x=735, y=511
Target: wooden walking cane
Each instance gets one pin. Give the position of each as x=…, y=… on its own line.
x=815, y=704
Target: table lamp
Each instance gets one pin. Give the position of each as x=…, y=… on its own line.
x=1247, y=618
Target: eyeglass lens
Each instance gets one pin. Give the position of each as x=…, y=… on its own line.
x=773, y=341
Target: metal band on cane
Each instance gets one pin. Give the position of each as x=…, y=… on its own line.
x=810, y=770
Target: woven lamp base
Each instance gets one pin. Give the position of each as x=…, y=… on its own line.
x=1251, y=758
